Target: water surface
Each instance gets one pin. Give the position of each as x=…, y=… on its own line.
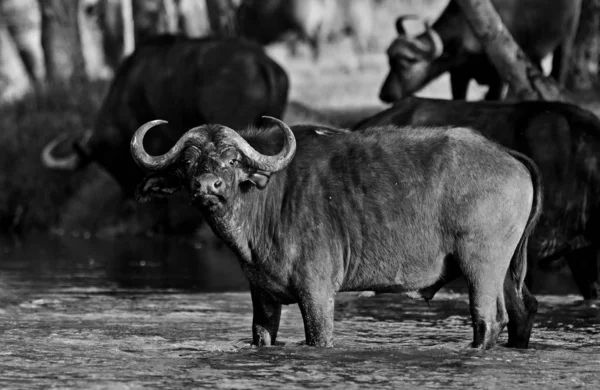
x=135, y=313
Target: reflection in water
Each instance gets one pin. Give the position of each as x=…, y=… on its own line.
x=132, y=262
x=172, y=263
x=81, y=313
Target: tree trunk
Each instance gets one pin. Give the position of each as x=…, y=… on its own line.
x=586, y=53
x=111, y=22
x=193, y=20
x=24, y=22
x=128, y=28
x=146, y=16
x=92, y=40
x=118, y=30
x=61, y=41
x=14, y=81
x=222, y=17
x=525, y=79
x=169, y=17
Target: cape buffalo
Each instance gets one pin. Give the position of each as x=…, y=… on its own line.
x=562, y=139
x=451, y=46
x=311, y=212
x=187, y=81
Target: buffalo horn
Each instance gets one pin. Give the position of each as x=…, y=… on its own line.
x=436, y=41
x=67, y=163
x=427, y=50
x=260, y=161
x=154, y=163
x=400, y=23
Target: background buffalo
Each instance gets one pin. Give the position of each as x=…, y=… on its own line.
x=450, y=45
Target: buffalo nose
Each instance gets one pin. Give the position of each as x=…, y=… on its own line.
x=385, y=97
x=208, y=184
x=390, y=90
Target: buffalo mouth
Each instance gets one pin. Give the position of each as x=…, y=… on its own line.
x=208, y=200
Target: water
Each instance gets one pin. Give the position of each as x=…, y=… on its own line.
x=85, y=313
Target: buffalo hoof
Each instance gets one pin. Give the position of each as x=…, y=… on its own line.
x=262, y=338
x=483, y=346
x=320, y=345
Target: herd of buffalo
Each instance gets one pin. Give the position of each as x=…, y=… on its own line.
x=406, y=200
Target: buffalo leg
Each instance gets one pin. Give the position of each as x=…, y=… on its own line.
x=459, y=83
x=485, y=271
x=488, y=313
x=495, y=90
x=521, y=312
x=265, y=322
x=560, y=61
x=317, y=314
x=584, y=268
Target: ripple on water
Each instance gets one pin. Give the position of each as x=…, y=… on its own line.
x=61, y=328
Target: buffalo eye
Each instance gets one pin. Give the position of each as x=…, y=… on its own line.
x=232, y=162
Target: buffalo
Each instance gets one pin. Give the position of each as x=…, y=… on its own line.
x=187, y=81
x=450, y=45
x=313, y=211
x=562, y=139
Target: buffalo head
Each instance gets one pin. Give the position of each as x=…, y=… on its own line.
x=107, y=148
x=213, y=162
x=410, y=60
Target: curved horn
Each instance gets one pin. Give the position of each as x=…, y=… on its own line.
x=400, y=22
x=428, y=46
x=436, y=41
x=263, y=162
x=67, y=163
x=153, y=163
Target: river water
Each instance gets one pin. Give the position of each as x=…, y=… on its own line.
x=140, y=313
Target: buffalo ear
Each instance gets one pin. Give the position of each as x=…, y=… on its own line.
x=157, y=185
x=259, y=178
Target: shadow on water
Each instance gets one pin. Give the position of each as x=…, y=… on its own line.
x=131, y=262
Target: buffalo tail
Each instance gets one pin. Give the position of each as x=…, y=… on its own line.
x=518, y=264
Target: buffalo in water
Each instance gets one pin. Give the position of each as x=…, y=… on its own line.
x=312, y=211
x=450, y=45
x=563, y=140
x=187, y=81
